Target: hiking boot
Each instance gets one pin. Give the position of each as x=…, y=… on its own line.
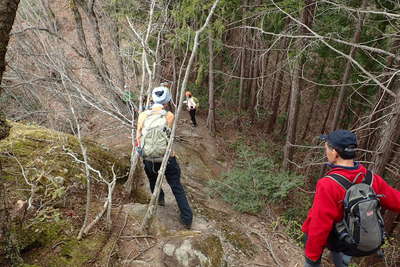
x=161, y=202
x=187, y=226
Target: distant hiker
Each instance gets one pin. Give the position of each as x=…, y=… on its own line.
x=153, y=131
x=192, y=105
x=345, y=215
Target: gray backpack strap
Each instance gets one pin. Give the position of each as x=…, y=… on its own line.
x=341, y=180
x=368, y=179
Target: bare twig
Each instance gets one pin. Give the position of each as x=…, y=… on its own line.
x=152, y=207
x=116, y=240
x=268, y=246
x=33, y=186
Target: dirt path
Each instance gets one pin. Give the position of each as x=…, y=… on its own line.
x=248, y=240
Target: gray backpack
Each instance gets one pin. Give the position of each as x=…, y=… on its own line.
x=155, y=136
x=361, y=232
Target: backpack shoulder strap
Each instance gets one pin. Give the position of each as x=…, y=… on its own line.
x=160, y=113
x=341, y=180
x=368, y=179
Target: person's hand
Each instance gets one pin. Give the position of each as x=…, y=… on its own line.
x=311, y=263
x=137, y=144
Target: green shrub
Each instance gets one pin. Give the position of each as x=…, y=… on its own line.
x=291, y=227
x=254, y=181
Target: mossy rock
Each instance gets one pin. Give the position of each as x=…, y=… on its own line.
x=234, y=236
x=43, y=156
x=198, y=250
x=40, y=234
x=238, y=239
x=211, y=246
x=54, y=243
x=68, y=252
x=48, y=237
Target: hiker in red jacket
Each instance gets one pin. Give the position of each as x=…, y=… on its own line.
x=327, y=208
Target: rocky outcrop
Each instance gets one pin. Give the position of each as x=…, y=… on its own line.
x=203, y=250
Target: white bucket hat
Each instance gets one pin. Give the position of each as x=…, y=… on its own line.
x=161, y=95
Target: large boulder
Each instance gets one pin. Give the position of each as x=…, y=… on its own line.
x=37, y=164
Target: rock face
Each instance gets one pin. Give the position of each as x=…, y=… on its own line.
x=180, y=248
x=202, y=250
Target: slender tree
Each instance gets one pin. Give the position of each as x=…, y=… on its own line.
x=389, y=135
x=152, y=205
x=278, y=84
x=211, y=102
x=297, y=69
x=8, y=10
x=347, y=71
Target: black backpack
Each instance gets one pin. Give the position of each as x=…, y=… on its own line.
x=361, y=232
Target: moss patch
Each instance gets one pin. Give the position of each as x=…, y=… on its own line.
x=211, y=246
x=47, y=237
x=53, y=244
x=41, y=234
x=234, y=236
x=239, y=240
x=43, y=155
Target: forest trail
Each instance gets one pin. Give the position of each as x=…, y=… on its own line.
x=247, y=240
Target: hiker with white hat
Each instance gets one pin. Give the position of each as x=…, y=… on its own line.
x=152, y=136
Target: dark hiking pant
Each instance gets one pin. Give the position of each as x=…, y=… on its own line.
x=173, y=176
x=192, y=113
x=339, y=258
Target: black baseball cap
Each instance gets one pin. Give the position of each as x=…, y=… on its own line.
x=343, y=140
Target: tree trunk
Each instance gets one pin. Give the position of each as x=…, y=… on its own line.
x=115, y=33
x=278, y=84
x=249, y=74
x=94, y=24
x=310, y=113
x=98, y=67
x=8, y=10
x=276, y=67
x=384, y=149
x=313, y=101
x=254, y=81
x=347, y=72
x=242, y=74
x=382, y=100
x=291, y=128
x=286, y=111
x=6, y=234
x=152, y=205
x=307, y=17
x=242, y=61
x=390, y=134
x=211, y=103
x=52, y=21
x=323, y=128
x=252, y=74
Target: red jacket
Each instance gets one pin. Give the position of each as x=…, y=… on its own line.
x=327, y=208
